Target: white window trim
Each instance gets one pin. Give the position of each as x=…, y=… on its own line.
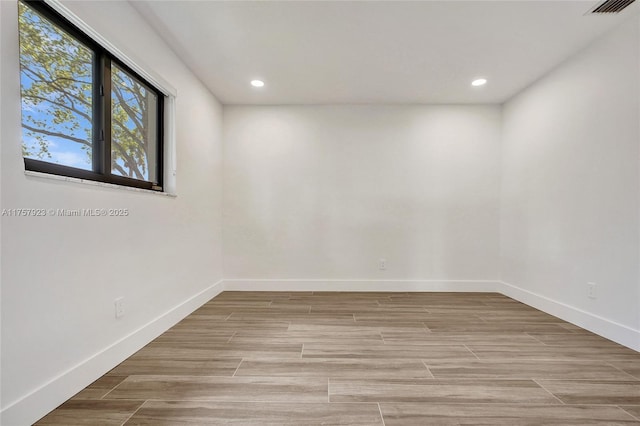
x=159, y=83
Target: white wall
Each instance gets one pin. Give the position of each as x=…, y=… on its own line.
x=571, y=191
x=60, y=276
x=323, y=192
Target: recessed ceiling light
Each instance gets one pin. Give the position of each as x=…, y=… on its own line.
x=479, y=82
x=257, y=83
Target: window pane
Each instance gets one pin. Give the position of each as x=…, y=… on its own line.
x=56, y=89
x=134, y=138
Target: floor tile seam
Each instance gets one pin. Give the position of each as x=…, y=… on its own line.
x=238, y=367
x=632, y=416
x=381, y=415
x=133, y=414
x=428, y=370
x=549, y=392
x=621, y=370
x=114, y=388
x=472, y=352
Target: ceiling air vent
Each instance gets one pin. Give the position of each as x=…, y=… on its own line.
x=612, y=6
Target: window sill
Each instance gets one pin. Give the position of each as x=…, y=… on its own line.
x=48, y=176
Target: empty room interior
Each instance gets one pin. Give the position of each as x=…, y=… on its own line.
x=320, y=212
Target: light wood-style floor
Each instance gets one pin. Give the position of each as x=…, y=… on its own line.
x=366, y=359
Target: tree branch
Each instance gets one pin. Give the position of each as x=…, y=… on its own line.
x=56, y=134
x=60, y=105
x=39, y=78
x=128, y=110
x=128, y=160
x=119, y=168
x=132, y=135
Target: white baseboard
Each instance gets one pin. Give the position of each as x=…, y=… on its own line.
x=361, y=285
x=38, y=403
x=606, y=328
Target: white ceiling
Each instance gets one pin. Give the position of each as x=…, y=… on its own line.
x=327, y=52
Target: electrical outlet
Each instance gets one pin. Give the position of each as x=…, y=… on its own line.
x=382, y=264
x=591, y=290
x=119, y=304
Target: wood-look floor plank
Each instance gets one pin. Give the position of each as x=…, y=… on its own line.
x=208, y=316
x=231, y=325
x=358, y=294
x=415, y=317
x=225, y=350
x=205, y=333
x=332, y=334
x=239, y=303
x=379, y=326
x=300, y=338
x=410, y=414
x=371, y=310
x=565, y=353
x=90, y=413
x=141, y=365
x=264, y=295
x=528, y=318
x=574, y=340
x=515, y=314
x=430, y=338
x=522, y=369
x=285, y=309
x=257, y=414
x=401, y=306
x=334, y=368
x=437, y=298
x=477, y=308
x=297, y=318
x=326, y=302
x=195, y=335
x=439, y=391
x=322, y=298
x=239, y=389
x=335, y=305
x=495, y=327
x=594, y=391
x=100, y=387
x=194, y=343
x=433, y=352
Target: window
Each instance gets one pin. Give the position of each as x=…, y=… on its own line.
x=85, y=114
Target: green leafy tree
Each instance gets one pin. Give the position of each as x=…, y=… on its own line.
x=57, y=97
